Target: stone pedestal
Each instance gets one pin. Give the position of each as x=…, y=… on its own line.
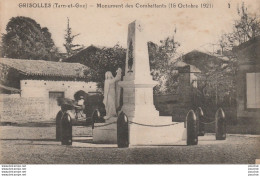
x=138, y=100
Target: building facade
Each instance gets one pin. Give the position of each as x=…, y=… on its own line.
x=39, y=84
x=248, y=80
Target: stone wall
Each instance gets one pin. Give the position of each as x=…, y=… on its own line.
x=41, y=88
x=18, y=109
x=171, y=105
x=178, y=105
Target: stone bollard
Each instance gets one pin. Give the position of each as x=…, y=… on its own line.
x=191, y=121
x=220, y=124
x=122, y=131
x=95, y=116
x=200, y=125
x=58, y=125
x=66, y=129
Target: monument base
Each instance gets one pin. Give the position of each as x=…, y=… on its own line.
x=105, y=133
x=157, y=133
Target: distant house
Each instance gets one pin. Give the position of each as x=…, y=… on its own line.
x=40, y=82
x=190, y=71
x=195, y=63
x=178, y=104
x=190, y=67
x=8, y=90
x=248, y=79
x=203, y=60
x=84, y=56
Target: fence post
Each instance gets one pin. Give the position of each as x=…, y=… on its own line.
x=58, y=125
x=66, y=129
x=95, y=116
x=122, y=131
x=220, y=124
x=191, y=121
x=200, y=125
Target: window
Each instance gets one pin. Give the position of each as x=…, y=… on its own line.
x=253, y=90
x=193, y=80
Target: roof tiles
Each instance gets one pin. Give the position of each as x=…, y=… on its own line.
x=45, y=68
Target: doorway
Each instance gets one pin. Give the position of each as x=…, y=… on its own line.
x=53, y=104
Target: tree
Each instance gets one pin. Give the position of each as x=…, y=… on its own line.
x=26, y=39
x=162, y=68
x=246, y=27
x=100, y=60
x=70, y=47
x=221, y=82
x=107, y=59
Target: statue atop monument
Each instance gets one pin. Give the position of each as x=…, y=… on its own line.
x=111, y=93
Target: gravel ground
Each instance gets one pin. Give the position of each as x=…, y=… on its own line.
x=37, y=145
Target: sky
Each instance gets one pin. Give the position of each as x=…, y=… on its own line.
x=196, y=27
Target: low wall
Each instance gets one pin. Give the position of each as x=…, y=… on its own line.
x=18, y=109
x=170, y=105
x=241, y=126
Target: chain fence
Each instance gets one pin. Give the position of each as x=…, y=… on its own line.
x=140, y=124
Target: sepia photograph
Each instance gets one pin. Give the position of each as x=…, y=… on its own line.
x=129, y=82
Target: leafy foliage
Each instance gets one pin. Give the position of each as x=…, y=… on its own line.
x=220, y=83
x=100, y=60
x=107, y=59
x=26, y=39
x=70, y=47
x=162, y=69
x=245, y=28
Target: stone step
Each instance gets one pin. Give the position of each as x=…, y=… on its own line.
x=165, y=135
x=104, y=133
x=141, y=134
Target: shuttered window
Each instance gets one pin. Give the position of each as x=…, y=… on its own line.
x=253, y=90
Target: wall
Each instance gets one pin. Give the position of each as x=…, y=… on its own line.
x=163, y=103
x=18, y=109
x=171, y=105
x=184, y=89
x=242, y=111
x=34, y=103
x=248, y=55
x=40, y=88
x=178, y=105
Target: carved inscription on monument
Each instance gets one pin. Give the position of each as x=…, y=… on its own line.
x=130, y=57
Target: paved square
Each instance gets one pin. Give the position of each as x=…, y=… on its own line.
x=37, y=145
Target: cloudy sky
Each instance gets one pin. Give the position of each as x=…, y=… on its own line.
x=196, y=27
